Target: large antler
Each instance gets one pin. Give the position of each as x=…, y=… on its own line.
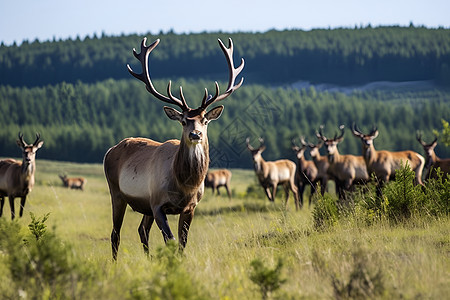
x=171, y=99
x=145, y=77
x=233, y=73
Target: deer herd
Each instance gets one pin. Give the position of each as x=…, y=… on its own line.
x=158, y=179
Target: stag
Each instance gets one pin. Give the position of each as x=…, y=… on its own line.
x=76, y=183
x=346, y=170
x=383, y=164
x=272, y=173
x=17, y=178
x=157, y=179
x=432, y=161
x=217, y=178
x=307, y=172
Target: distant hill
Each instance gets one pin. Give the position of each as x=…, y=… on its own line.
x=338, y=56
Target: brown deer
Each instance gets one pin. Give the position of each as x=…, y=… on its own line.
x=384, y=163
x=156, y=178
x=272, y=173
x=76, y=183
x=217, y=178
x=307, y=173
x=346, y=170
x=322, y=165
x=17, y=178
x=432, y=161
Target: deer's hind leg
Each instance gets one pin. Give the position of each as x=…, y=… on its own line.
x=118, y=210
x=144, y=230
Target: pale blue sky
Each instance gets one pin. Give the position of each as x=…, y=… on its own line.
x=45, y=19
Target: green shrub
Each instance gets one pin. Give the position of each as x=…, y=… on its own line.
x=325, y=212
x=40, y=264
x=362, y=282
x=267, y=279
x=169, y=279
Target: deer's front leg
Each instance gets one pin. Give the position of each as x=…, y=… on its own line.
x=184, y=224
x=163, y=224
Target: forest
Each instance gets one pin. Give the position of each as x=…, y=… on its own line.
x=79, y=96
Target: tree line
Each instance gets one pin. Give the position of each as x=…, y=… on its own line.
x=80, y=121
x=342, y=56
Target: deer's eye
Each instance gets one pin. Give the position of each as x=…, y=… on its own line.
x=183, y=122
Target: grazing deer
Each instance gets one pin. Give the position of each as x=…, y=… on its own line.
x=346, y=170
x=432, y=161
x=272, y=173
x=322, y=165
x=384, y=163
x=307, y=173
x=17, y=178
x=217, y=178
x=73, y=182
x=156, y=178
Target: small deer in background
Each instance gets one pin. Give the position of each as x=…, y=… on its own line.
x=307, y=173
x=76, y=183
x=272, y=173
x=432, y=161
x=217, y=178
x=17, y=177
x=322, y=165
x=385, y=163
x=346, y=170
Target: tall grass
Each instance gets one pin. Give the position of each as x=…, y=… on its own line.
x=359, y=253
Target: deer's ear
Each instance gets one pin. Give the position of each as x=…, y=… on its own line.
x=39, y=145
x=214, y=113
x=173, y=114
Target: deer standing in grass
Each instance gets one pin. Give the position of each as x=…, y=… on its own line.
x=272, y=173
x=384, y=163
x=17, y=178
x=157, y=179
x=217, y=178
x=307, y=173
x=322, y=165
x=76, y=183
x=432, y=161
x=346, y=170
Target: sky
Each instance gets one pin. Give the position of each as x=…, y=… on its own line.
x=61, y=19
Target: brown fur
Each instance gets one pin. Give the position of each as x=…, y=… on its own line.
x=346, y=170
x=73, y=182
x=17, y=178
x=306, y=174
x=272, y=173
x=217, y=178
x=432, y=161
x=385, y=163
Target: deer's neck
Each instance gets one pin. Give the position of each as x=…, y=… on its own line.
x=27, y=174
x=191, y=165
x=370, y=154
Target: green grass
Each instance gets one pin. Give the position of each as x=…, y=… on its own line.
x=383, y=261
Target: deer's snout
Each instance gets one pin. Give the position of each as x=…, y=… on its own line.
x=195, y=135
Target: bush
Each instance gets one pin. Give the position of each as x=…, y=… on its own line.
x=170, y=280
x=39, y=263
x=325, y=213
x=267, y=279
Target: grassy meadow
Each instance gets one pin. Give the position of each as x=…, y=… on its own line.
x=409, y=260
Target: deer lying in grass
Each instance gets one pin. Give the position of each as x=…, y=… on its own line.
x=432, y=161
x=272, y=173
x=217, y=178
x=76, y=183
x=17, y=178
x=346, y=170
x=307, y=173
x=157, y=179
